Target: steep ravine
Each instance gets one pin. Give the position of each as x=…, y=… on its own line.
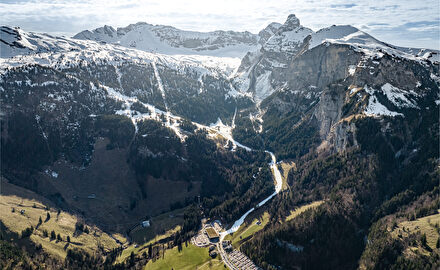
x=278, y=185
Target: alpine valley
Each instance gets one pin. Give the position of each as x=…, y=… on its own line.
x=151, y=147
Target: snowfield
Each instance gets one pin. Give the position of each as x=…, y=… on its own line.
x=22, y=48
x=361, y=41
x=172, y=41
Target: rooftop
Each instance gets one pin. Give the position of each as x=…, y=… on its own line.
x=212, y=233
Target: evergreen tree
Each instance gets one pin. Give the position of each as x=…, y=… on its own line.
x=131, y=260
x=150, y=251
x=423, y=240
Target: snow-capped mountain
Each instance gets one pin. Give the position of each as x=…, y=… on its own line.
x=282, y=58
x=259, y=72
x=169, y=40
x=191, y=85
x=18, y=47
x=288, y=37
x=287, y=40
x=349, y=35
x=268, y=32
x=14, y=41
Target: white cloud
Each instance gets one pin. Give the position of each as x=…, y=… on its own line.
x=388, y=20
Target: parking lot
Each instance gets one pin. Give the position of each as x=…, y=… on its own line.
x=200, y=240
x=241, y=261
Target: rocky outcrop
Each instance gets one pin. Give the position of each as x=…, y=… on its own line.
x=260, y=71
x=320, y=67
x=329, y=108
x=268, y=32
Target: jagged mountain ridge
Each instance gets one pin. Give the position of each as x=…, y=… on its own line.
x=279, y=44
x=170, y=40
x=20, y=48
x=258, y=72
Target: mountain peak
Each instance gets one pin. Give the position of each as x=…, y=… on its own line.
x=288, y=37
x=269, y=31
x=291, y=23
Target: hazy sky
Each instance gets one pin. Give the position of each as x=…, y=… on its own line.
x=400, y=22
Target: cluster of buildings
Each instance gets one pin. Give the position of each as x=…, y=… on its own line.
x=207, y=235
x=227, y=245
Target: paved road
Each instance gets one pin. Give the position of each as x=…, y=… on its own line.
x=225, y=258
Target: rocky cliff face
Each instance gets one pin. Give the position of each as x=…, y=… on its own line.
x=270, y=69
x=338, y=85
x=360, y=119
x=259, y=71
x=268, y=32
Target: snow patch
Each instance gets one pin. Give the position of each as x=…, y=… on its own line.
x=263, y=87
x=398, y=96
x=351, y=70
x=375, y=108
